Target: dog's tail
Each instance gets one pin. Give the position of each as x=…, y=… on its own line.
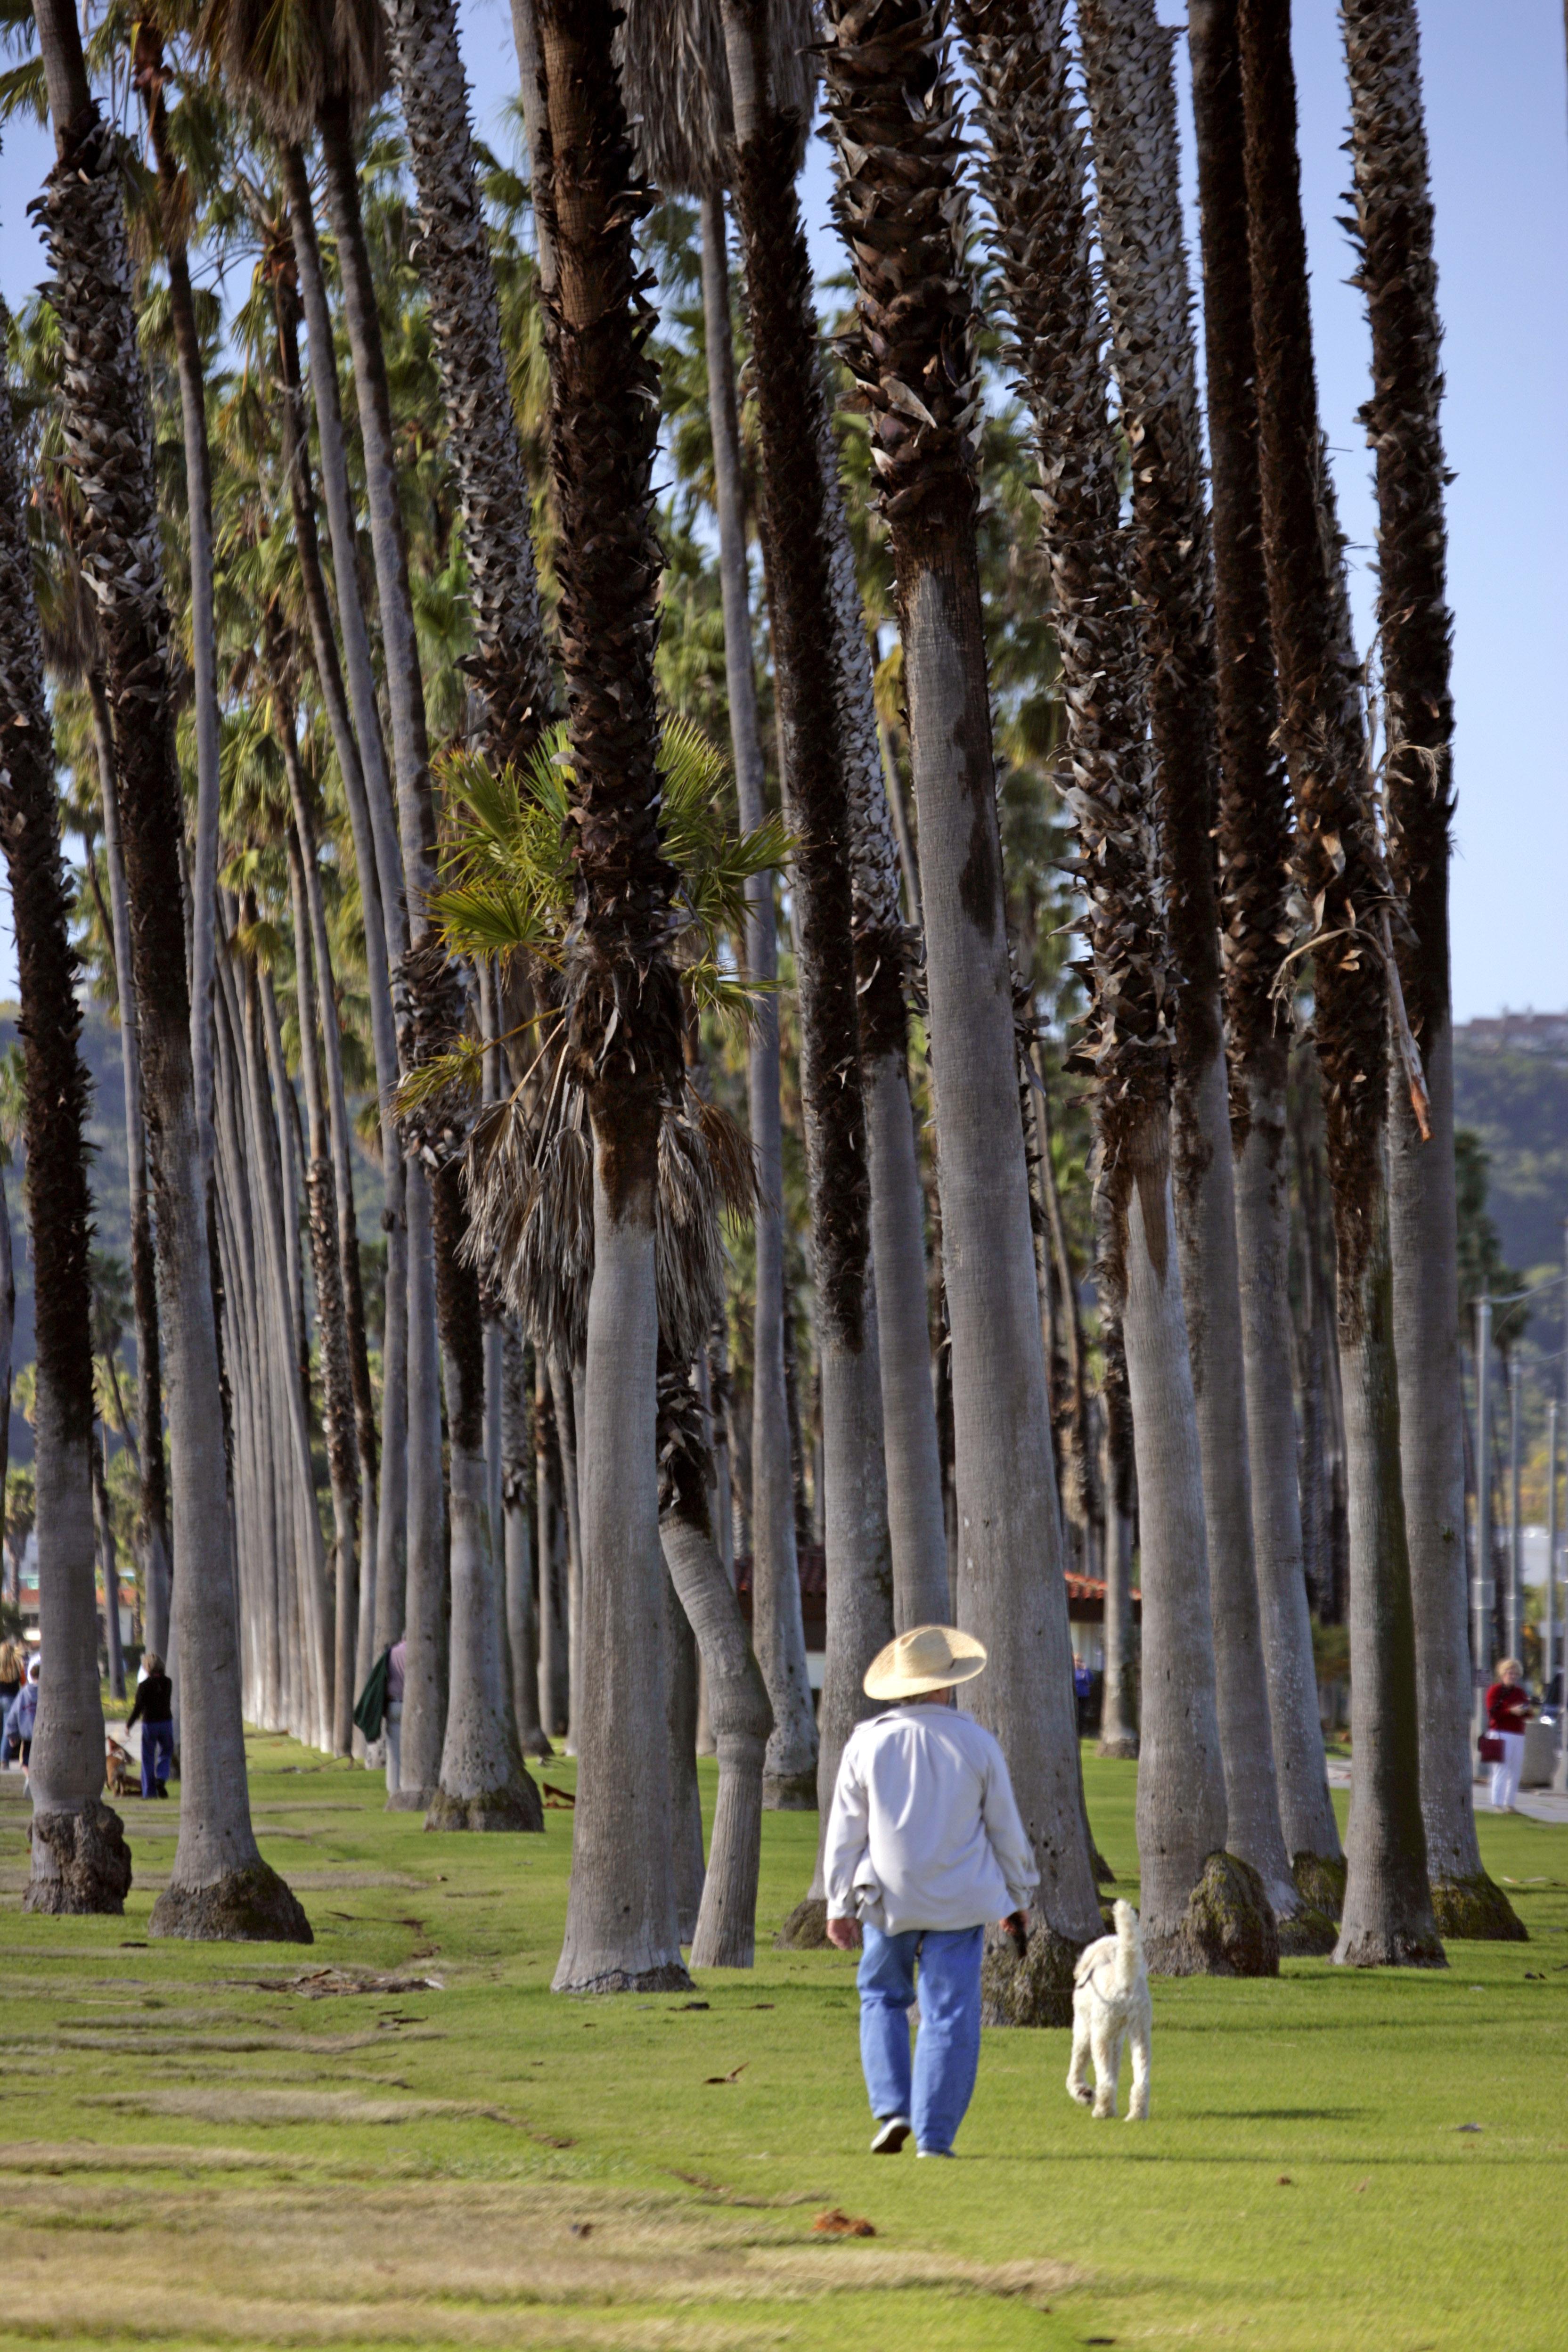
x=1129, y=1945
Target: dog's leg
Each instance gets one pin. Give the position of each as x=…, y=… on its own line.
x=1107, y=2065
x=1078, y=2085
x=1138, y=2095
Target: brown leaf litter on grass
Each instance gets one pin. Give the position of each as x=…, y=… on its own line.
x=383, y=2259
x=836, y=2224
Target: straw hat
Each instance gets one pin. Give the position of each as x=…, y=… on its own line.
x=932, y=1657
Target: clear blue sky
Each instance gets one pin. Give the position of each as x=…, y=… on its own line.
x=1496, y=99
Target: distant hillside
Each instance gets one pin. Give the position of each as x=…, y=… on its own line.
x=110, y=1186
x=1511, y=1083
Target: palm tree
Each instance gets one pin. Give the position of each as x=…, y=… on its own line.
x=219, y=1885
x=678, y=81
x=1338, y=872
x=1254, y=842
x=798, y=545
x=1132, y=110
x=1398, y=277
x=80, y=1860
x=891, y=108
x=625, y=1018
x=1035, y=178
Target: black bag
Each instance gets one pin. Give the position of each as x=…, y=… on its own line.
x=370, y=1707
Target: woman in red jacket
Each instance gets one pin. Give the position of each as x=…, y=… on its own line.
x=1508, y=1711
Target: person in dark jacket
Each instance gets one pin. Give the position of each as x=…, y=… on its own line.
x=155, y=1710
x=23, y=1715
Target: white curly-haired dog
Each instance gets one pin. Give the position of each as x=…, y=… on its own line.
x=1110, y=2004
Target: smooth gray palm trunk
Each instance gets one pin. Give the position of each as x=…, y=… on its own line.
x=856, y=1542
x=776, y=1627
x=1207, y=1250
x=738, y=1711
x=1263, y=1244
x=1010, y=1588
x=1181, y=1775
x=522, y=1614
x=622, y=1934
x=916, y=1527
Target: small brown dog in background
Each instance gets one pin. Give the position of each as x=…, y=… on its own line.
x=118, y=1772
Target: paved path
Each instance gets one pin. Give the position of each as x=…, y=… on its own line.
x=1540, y=1804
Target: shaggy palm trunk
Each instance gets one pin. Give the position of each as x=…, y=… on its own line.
x=776, y=1628
x=797, y=523
x=915, y=1525
x=1399, y=278
x=1132, y=107
x=332, y=1315
x=150, y=76
x=898, y=137
x=1036, y=182
x=363, y=767
x=1253, y=837
x=79, y=1861
x=155, y=1499
x=219, y=1885
x=738, y=1705
x=509, y=664
x=625, y=1040
x=1337, y=869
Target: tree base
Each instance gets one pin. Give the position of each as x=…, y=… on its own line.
x=668, y=1978
x=1034, y=1990
x=518, y=1806
x=1229, y=1928
x=789, y=1792
x=1320, y=1882
x=411, y=1800
x=1123, y=1748
x=244, y=1906
x=1307, y=1934
x=87, y=1864
x=1475, y=1911
x=1382, y=1947
x=806, y=1929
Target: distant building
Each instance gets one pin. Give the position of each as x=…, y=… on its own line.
x=1517, y=1033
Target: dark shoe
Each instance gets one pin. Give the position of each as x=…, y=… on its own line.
x=891, y=2133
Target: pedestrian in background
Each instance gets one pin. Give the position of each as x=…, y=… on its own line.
x=1508, y=1712
x=155, y=1710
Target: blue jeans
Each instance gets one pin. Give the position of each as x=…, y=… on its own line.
x=157, y=1746
x=947, y=2049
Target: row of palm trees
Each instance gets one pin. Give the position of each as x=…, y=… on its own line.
x=551, y=918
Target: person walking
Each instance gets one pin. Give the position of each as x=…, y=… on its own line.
x=153, y=1708
x=21, y=1716
x=924, y=1846
x=1508, y=1712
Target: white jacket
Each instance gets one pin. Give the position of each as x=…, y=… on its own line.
x=925, y=1830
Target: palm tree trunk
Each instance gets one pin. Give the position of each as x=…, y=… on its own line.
x=1254, y=835
x=915, y=1525
x=377, y=855
x=681, y=1674
x=509, y=665
x=1398, y=276
x=80, y=1860
x=1010, y=1587
x=1119, y=1710
x=150, y=76
x=725, y=1934
x=567, y=1393
x=1133, y=107
x=143, y=1274
x=521, y=1618
x=552, y=1662
x=621, y=1927
x=1337, y=868
x=108, y=1566
x=790, y=1780
x=326, y=1263
x=220, y=1884
x=797, y=523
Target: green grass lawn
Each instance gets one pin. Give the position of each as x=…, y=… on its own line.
x=196, y=2153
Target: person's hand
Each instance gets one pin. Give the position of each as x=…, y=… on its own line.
x=843, y=1935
